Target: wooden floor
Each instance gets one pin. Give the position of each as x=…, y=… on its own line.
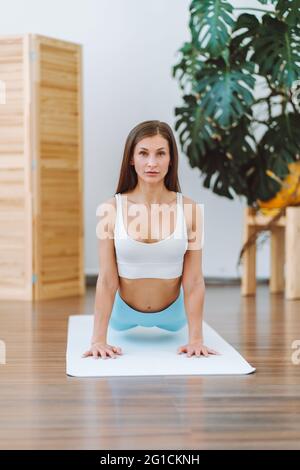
x=42, y=408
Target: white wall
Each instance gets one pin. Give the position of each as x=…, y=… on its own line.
x=129, y=47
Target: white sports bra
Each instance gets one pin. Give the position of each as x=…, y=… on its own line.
x=162, y=259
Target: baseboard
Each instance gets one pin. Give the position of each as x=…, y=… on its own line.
x=91, y=279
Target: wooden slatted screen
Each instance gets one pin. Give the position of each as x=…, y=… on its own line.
x=41, y=170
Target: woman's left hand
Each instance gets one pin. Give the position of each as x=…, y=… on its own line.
x=197, y=348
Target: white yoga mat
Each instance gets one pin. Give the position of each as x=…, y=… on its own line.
x=149, y=351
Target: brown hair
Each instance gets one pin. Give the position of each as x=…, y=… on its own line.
x=128, y=177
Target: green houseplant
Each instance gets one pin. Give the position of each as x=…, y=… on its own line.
x=242, y=143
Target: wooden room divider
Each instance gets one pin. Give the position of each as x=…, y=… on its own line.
x=41, y=168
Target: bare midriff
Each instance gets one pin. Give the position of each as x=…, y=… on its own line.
x=149, y=295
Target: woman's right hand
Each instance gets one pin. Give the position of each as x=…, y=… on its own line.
x=103, y=350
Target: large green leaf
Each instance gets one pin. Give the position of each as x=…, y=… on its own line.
x=260, y=186
x=279, y=146
x=225, y=92
x=289, y=11
x=195, y=132
x=277, y=51
x=238, y=142
x=281, y=142
x=246, y=27
x=235, y=161
x=190, y=62
x=217, y=170
x=216, y=121
x=210, y=24
x=238, y=151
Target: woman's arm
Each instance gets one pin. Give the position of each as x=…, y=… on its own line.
x=108, y=279
x=104, y=301
x=194, y=293
x=192, y=276
x=193, y=282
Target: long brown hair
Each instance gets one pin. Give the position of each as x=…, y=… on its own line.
x=128, y=177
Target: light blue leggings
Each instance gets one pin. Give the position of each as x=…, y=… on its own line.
x=124, y=317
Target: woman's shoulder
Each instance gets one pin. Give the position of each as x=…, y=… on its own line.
x=190, y=205
x=107, y=208
x=188, y=200
x=191, y=209
x=109, y=202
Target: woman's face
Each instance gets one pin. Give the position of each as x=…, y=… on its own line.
x=151, y=154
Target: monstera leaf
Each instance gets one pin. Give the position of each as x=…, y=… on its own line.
x=230, y=164
x=259, y=186
x=239, y=143
x=211, y=18
x=278, y=147
x=196, y=134
x=281, y=143
x=291, y=7
x=287, y=9
x=225, y=91
x=246, y=27
x=191, y=61
x=218, y=120
x=277, y=51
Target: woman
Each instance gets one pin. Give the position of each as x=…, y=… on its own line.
x=151, y=276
